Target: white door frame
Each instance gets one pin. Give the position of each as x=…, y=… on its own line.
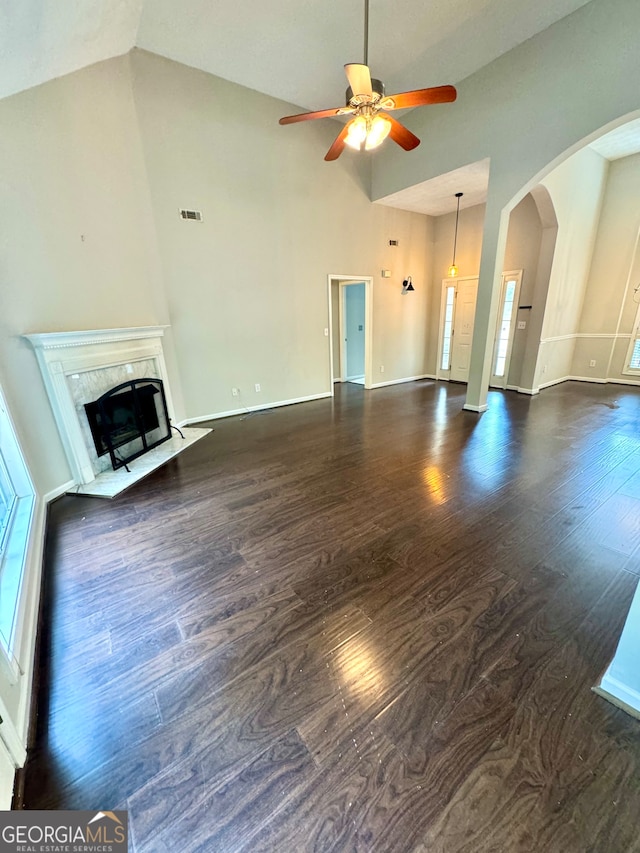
x=511, y=275
x=368, y=323
x=447, y=282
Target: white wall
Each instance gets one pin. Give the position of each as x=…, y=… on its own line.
x=621, y=681
x=527, y=111
x=576, y=188
x=247, y=287
x=77, y=243
x=523, y=252
x=529, y=108
x=609, y=311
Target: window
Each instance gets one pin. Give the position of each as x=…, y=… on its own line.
x=445, y=363
x=506, y=327
x=504, y=330
x=17, y=501
x=7, y=503
x=632, y=361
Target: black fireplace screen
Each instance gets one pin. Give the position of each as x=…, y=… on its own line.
x=129, y=420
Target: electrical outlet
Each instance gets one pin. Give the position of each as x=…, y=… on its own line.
x=382, y=368
x=592, y=363
x=235, y=392
x=258, y=387
x=522, y=324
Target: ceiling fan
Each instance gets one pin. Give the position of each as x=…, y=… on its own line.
x=367, y=103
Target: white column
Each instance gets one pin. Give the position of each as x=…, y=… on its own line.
x=621, y=682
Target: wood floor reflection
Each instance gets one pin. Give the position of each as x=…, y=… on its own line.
x=366, y=624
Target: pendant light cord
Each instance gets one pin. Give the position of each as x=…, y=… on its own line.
x=455, y=237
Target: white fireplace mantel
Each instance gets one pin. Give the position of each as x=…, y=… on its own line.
x=63, y=356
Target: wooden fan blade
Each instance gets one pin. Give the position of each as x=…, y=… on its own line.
x=338, y=144
x=420, y=98
x=336, y=111
x=401, y=134
x=359, y=78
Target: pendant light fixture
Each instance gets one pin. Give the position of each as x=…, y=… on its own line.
x=453, y=269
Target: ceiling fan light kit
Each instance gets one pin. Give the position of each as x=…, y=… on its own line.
x=365, y=100
x=367, y=132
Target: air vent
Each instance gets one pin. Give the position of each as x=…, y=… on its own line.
x=195, y=215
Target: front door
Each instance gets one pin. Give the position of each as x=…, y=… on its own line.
x=456, y=328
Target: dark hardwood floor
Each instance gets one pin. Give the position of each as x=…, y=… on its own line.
x=366, y=624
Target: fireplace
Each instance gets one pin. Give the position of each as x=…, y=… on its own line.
x=127, y=367
x=129, y=420
x=80, y=367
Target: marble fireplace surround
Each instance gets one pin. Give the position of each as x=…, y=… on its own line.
x=80, y=366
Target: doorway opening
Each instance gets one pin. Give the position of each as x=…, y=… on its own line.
x=350, y=313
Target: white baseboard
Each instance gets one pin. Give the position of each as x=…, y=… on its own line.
x=401, y=381
x=635, y=382
x=58, y=491
x=521, y=390
x=477, y=409
x=553, y=382
x=597, y=380
x=247, y=409
x=619, y=694
x=592, y=379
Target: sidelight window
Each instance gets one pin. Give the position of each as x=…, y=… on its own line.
x=447, y=332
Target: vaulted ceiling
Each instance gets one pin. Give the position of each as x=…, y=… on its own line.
x=290, y=49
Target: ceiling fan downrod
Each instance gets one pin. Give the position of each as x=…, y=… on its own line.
x=366, y=32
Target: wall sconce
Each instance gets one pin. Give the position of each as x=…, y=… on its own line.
x=453, y=269
x=407, y=285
